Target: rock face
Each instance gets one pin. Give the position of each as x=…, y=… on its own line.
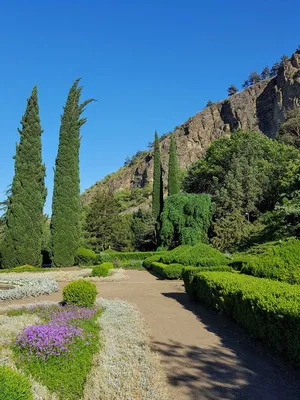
x=260, y=107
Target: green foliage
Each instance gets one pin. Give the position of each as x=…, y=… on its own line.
x=169, y=257
x=243, y=173
x=103, y=269
x=289, y=131
x=269, y=310
x=171, y=271
x=104, y=227
x=22, y=242
x=143, y=229
x=185, y=219
x=85, y=257
x=135, y=255
x=201, y=255
x=232, y=90
x=82, y=293
x=157, y=193
x=173, y=172
x=13, y=385
x=274, y=260
x=147, y=263
x=65, y=222
x=133, y=197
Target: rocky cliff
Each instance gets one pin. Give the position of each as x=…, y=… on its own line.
x=260, y=107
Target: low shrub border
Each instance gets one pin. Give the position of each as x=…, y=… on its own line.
x=137, y=255
x=269, y=310
x=13, y=385
x=102, y=269
x=85, y=257
x=167, y=271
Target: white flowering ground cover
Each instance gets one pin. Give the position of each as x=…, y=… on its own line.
x=29, y=286
x=125, y=368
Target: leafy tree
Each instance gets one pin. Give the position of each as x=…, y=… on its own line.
x=265, y=73
x=254, y=78
x=232, y=90
x=173, y=173
x=275, y=68
x=185, y=219
x=24, y=216
x=143, y=228
x=243, y=174
x=65, y=223
x=289, y=131
x=157, y=194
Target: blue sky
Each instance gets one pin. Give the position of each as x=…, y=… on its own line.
x=150, y=65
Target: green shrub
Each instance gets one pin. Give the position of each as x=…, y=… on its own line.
x=201, y=255
x=82, y=293
x=274, y=260
x=134, y=255
x=103, y=269
x=170, y=271
x=172, y=255
x=85, y=257
x=25, y=268
x=13, y=385
x=147, y=263
x=269, y=310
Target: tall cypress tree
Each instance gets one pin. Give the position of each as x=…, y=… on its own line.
x=65, y=222
x=157, y=180
x=173, y=176
x=22, y=241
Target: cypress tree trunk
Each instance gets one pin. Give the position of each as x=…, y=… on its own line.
x=65, y=222
x=173, y=176
x=157, y=181
x=24, y=216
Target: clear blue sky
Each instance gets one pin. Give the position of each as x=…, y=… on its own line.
x=150, y=64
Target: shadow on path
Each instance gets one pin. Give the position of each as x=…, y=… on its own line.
x=226, y=363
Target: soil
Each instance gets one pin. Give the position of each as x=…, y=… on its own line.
x=205, y=356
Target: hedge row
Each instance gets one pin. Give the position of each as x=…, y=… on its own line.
x=167, y=271
x=274, y=260
x=269, y=310
x=137, y=255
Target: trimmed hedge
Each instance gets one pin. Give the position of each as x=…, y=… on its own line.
x=134, y=255
x=13, y=385
x=201, y=255
x=147, y=263
x=274, y=260
x=172, y=256
x=85, y=257
x=82, y=293
x=269, y=310
x=103, y=269
x=170, y=271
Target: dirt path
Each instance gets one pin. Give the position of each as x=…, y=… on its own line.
x=206, y=357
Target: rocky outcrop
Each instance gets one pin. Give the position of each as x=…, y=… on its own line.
x=260, y=107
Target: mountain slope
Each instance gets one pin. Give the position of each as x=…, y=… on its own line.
x=260, y=107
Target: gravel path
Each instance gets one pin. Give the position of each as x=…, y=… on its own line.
x=205, y=356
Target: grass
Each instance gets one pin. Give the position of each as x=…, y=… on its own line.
x=64, y=375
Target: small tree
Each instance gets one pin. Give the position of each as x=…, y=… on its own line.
x=157, y=198
x=284, y=59
x=289, y=131
x=254, y=78
x=143, y=228
x=232, y=90
x=265, y=73
x=209, y=103
x=173, y=175
x=274, y=69
x=246, y=84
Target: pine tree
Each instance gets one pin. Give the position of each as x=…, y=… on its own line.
x=157, y=180
x=232, y=90
x=266, y=73
x=173, y=177
x=24, y=216
x=65, y=223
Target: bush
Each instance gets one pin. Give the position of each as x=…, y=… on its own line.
x=171, y=271
x=172, y=256
x=274, y=260
x=25, y=268
x=103, y=269
x=13, y=385
x=82, y=293
x=85, y=257
x=201, y=255
x=269, y=310
x=147, y=263
x=134, y=255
